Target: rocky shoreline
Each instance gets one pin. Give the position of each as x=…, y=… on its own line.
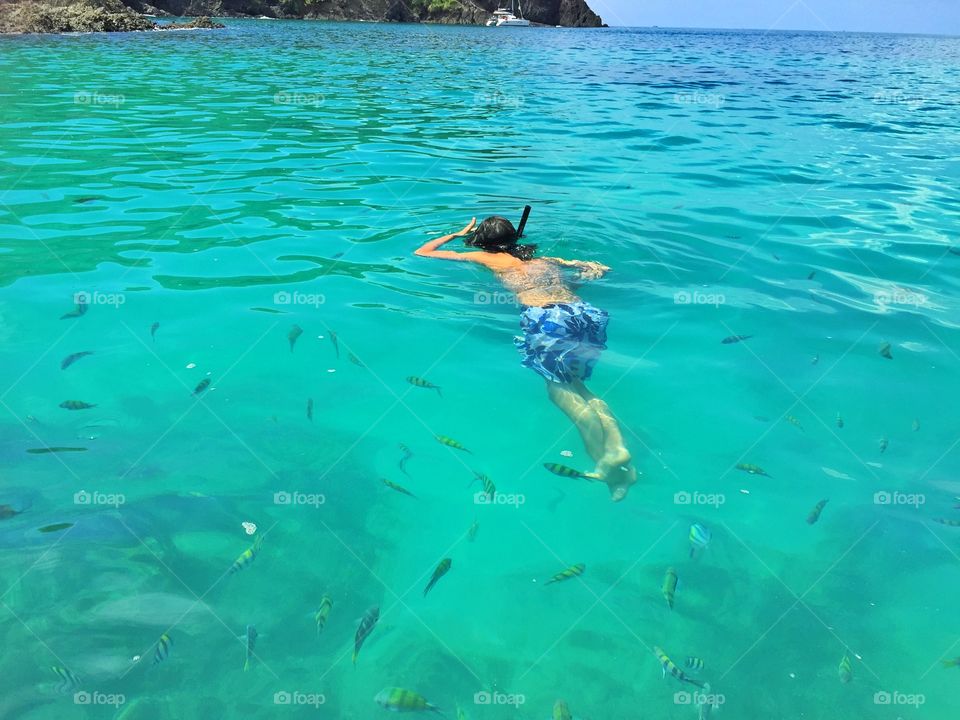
x=83, y=16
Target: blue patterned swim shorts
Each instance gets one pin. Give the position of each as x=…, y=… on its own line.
x=562, y=341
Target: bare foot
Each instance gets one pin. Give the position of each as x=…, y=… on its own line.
x=609, y=463
x=620, y=481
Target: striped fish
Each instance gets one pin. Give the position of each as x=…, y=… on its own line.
x=398, y=488
x=670, y=667
x=694, y=663
x=442, y=569
x=80, y=308
x=461, y=715
x=793, y=421
x=247, y=556
x=489, y=489
x=367, y=623
x=561, y=711
x=839, y=420
x=76, y=405
x=163, y=649
x=407, y=454
x=68, y=680
x=400, y=700
x=333, y=339
x=472, y=532
x=885, y=350
x=752, y=469
x=426, y=384
x=310, y=409
x=251, y=644
x=355, y=360
x=670, y=586
x=72, y=358
x=815, y=513
x=201, y=386
x=845, y=670
x=564, y=471
x=326, y=604
x=295, y=332
x=451, y=443
x=153, y=331
x=571, y=572
x=947, y=521
x=700, y=537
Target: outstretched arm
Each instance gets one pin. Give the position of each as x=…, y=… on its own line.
x=588, y=270
x=429, y=249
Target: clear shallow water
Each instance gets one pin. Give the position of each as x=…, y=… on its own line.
x=189, y=178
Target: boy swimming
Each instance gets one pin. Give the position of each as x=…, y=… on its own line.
x=562, y=339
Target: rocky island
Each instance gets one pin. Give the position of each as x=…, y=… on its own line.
x=46, y=16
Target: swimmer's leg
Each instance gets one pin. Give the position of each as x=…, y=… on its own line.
x=576, y=408
x=614, y=465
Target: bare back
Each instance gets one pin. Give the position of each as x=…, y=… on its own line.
x=536, y=282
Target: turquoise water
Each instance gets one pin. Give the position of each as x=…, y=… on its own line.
x=796, y=188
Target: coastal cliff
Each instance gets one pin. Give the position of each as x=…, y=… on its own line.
x=125, y=15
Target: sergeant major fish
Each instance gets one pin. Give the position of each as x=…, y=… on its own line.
x=670, y=581
x=450, y=442
x=367, y=623
x=669, y=666
x=398, y=488
x=76, y=405
x=73, y=357
x=295, y=332
x=326, y=604
x=163, y=649
x=400, y=700
x=442, y=569
x=251, y=644
x=426, y=384
x=571, y=572
x=246, y=557
x=699, y=537
x=815, y=513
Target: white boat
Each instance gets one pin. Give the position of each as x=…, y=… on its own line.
x=506, y=18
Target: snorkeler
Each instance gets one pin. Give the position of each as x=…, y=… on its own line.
x=563, y=336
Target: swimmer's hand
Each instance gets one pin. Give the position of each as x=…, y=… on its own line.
x=588, y=270
x=592, y=270
x=467, y=230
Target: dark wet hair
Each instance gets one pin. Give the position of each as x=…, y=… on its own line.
x=496, y=234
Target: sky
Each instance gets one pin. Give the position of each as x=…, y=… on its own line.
x=912, y=16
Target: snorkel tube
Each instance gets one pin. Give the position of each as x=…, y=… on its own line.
x=523, y=221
